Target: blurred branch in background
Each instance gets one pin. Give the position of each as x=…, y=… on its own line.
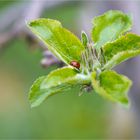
x=22, y=12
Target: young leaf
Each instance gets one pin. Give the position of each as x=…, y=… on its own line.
x=84, y=38
x=60, y=41
x=35, y=93
x=112, y=86
x=120, y=50
x=109, y=27
x=57, y=81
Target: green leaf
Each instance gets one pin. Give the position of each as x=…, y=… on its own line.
x=112, y=86
x=60, y=41
x=36, y=92
x=120, y=50
x=57, y=81
x=109, y=27
x=84, y=38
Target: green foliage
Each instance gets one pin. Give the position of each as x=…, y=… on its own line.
x=36, y=93
x=84, y=38
x=111, y=86
x=109, y=27
x=57, y=81
x=111, y=48
x=121, y=49
x=60, y=41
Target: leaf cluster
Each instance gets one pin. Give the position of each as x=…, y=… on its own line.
x=111, y=45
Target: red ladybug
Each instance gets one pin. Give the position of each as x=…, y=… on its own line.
x=75, y=64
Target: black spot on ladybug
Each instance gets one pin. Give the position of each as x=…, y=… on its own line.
x=75, y=64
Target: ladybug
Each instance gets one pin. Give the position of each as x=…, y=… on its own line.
x=75, y=64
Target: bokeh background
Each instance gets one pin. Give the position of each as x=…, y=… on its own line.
x=65, y=115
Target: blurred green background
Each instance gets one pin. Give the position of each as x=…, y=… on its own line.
x=65, y=115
